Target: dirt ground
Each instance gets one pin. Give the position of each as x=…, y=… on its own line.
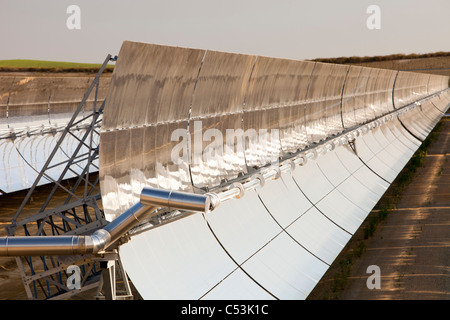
x=411, y=247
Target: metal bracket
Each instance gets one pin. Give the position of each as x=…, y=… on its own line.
x=113, y=274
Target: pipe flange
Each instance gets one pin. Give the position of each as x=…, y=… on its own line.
x=330, y=146
x=214, y=201
x=240, y=187
x=304, y=158
x=291, y=164
x=312, y=154
x=261, y=178
x=277, y=174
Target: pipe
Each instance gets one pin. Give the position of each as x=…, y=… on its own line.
x=21, y=246
x=102, y=239
x=119, y=226
x=175, y=199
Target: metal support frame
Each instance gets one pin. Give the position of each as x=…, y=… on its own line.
x=113, y=284
x=45, y=277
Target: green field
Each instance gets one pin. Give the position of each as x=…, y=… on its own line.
x=49, y=66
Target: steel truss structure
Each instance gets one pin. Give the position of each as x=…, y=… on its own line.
x=72, y=207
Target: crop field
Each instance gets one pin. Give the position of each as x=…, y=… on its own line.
x=49, y=66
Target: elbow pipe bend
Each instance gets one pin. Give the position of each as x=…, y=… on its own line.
x=101, y=239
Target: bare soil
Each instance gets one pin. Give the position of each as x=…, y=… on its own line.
x=411, y=247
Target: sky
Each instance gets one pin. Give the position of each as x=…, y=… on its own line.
x=290, y=29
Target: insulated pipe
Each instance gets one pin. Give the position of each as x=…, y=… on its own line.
x=119, y=226
x=175, y=199
x=30, y=246
x=101, y=239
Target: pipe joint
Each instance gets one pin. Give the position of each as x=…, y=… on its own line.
x=98, y=241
